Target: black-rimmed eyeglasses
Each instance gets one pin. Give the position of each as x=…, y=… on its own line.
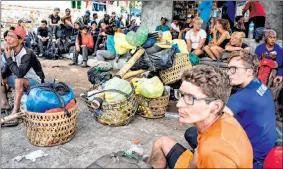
x=233, y=69
x=189, y=99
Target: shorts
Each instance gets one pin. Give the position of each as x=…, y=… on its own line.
x=12, y=78
x=179, y=157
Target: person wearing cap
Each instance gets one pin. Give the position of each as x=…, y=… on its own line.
x=84, y=46
x=187, y=26
x=53, y=21
x=67, y=21
x=105, y=20
x=27, y=43
x=163, y=27
x=271, y=50
x=44, y=36
x=84, y=20
x=24, y=70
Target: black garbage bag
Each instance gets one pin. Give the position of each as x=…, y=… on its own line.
x=156, y=61
x=161, y=60
x=98, y=75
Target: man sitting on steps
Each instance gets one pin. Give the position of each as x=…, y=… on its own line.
x=222, y=142
x=23, y=67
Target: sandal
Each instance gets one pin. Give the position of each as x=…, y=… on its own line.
x=11, y=123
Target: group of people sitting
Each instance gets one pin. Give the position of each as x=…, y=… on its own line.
x=87, y=36
x=235, y=130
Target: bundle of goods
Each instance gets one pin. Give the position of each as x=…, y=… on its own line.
x=49, y=113
x=138, y=38
x=174, y=73
x=115, y=105
x=151, y=97
x=154, y=62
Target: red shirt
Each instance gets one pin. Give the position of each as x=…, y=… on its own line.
x=86, y=40
x=256, y=9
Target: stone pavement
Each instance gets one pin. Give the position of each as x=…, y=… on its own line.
x=92, y=139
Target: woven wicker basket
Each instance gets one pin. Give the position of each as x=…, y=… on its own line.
x=118, y=113
x=50, y=129
x=174, y=73
x=153, y=108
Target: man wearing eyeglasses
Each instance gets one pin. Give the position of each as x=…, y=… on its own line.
x=24, y=69
x=222, y=142
x=252, y=105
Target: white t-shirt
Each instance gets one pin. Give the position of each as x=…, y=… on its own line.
x=175, y=27
x=195, y=40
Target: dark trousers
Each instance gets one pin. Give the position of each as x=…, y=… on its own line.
x=84, y=51
x=259, y=21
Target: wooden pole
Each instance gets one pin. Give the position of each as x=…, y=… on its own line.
x=130, y=63
x=133, y=73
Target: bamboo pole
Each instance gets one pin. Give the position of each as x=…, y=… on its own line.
x=133, y=73
x=130, y=63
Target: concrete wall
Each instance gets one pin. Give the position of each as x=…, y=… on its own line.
x=274, y=13
x=152, y=11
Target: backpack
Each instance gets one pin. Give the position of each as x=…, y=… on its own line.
x=259, y=33
x=50, y=51
x=98, y=75
x=120, y=160
x=267, y=71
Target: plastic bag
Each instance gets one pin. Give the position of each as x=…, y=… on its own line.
x=149, y=88
x=39, y=100
x=193, y=59
x=131, y=38
x=161, y=60
x=149, y=43
x=118, y=84
x=141, y=35
x=121, y=44
x=181, y=45
x=166, y=36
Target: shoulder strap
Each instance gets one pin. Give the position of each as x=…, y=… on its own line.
x=50, y=87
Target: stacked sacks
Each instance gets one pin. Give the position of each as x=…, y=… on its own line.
x=138, y=38
x=149, y=88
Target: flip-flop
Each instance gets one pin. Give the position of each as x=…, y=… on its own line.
x=10, y=123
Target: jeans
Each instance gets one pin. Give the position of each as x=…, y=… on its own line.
x=54, y=30
x=84, y=51
x=27, y=41
x=11, y=81
x=41, y=44
x=103, y=55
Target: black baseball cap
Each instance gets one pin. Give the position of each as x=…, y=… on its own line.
x=57, y=9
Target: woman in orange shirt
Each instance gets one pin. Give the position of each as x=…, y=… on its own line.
x=84, y=46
